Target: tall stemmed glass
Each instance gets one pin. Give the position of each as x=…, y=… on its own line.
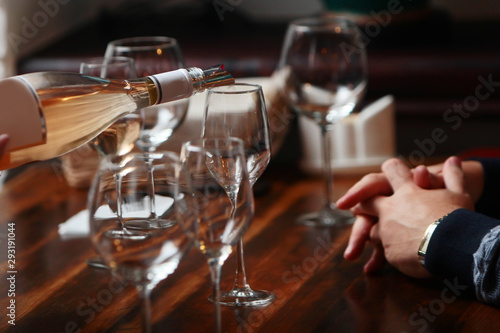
x=239, y=110
x=143, y=257
x=153, y=55
x=119, y=138
x=215, y=201
x=326, y=61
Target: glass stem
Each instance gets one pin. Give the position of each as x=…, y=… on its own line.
x=327, y=166
x=118, y=185
x=151, y=189
x=145, y=296
x=215, y=272
x=240, y=283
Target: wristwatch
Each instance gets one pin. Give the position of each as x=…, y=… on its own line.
x=422, y=249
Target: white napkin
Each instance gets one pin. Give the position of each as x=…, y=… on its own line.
x=360, y=143
x=76, y=226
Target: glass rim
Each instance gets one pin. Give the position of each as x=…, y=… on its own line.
x=97, y=62
x=245, y=88
x=323, y=22
x=128, y=43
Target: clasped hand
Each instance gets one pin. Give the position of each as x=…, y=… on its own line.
x=394, y=208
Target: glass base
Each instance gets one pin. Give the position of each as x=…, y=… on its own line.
x=148, y=224
x=97, y=262
x=327, y=217
x=245, y=297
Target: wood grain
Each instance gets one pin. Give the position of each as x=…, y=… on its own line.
x=317, y=290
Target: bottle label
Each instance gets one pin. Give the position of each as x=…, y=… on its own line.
x=21, y=114
x=172, y=86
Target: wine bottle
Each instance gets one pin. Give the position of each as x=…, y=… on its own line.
x=47, y=114
x=119, y=138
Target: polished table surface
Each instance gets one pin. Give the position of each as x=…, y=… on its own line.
x=317, y=290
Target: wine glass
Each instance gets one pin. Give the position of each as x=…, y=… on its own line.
x=143, y=257
x=119, y=138
x=153, y=55
x=215, y=201
x=239, y=110
x=326, y=61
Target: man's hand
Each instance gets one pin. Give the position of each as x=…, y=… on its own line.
x=397, y=222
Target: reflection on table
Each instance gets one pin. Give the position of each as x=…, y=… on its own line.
x=316, y=289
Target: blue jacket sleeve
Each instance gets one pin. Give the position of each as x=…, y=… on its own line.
x=465, y=250
x=488, y=203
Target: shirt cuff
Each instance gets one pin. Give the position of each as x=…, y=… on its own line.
x=453, y=243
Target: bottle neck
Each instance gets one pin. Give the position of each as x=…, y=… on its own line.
x=143, y=91
x=197, y=79
x=171, y=86
x=183, y=83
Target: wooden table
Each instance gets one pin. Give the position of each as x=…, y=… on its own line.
x=317, y=290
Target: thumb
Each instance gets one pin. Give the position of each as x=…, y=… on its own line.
x=453, y=175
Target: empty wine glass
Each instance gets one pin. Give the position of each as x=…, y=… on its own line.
x=326, y=61
x=153, y=55
x=119, y=138
x=239, y=110
x=215, y=201
x=142, y=257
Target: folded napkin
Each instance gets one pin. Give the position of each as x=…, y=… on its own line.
x=77, y=226
x=360, y=143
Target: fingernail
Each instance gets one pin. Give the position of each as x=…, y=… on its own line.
x=455, y=161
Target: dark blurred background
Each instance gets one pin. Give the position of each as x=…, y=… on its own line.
x=428, y=54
